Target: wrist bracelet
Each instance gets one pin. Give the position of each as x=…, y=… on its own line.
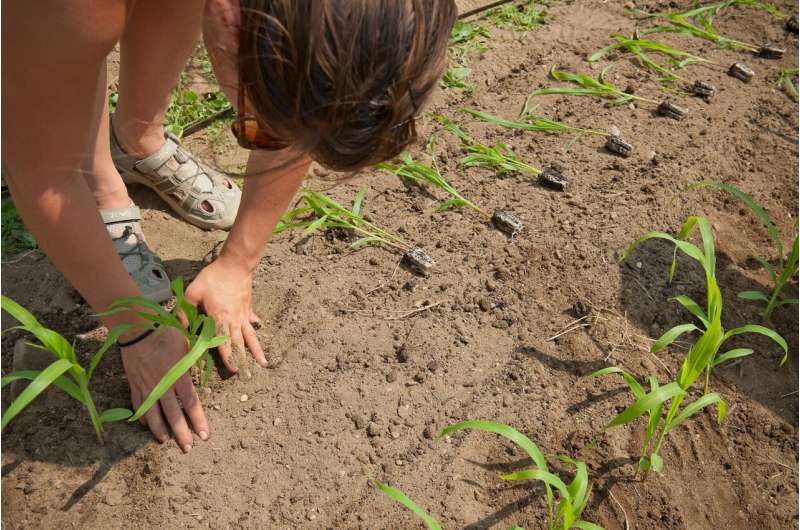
x=138, y=338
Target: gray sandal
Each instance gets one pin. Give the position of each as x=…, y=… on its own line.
x=142, y=264
x=201, y=195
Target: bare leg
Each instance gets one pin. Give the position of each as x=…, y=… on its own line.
x=159, y=38
x=101, y=176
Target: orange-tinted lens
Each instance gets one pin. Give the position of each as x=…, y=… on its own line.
x=251, y=135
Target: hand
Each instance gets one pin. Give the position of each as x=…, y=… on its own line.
x=224, y=293
x=145, y=364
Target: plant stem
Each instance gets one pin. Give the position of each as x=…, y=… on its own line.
x=96, y=423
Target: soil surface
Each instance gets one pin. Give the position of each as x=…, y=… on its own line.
x=360, y=381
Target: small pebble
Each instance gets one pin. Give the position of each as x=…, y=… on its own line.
x=373, y=429
x=243, y=398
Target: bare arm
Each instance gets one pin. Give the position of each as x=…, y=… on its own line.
x=224, y=287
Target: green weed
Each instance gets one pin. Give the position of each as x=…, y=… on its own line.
x=589, y=87
x=322, y=212
x=786, y=264
x=466, y=39
x=520, y=17
x=70, y=376
x=15, y=237
x=787, y=79
x=637, y=46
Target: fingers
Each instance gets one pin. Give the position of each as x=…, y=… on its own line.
x=251, y=339
x=136, y=400
x=237, y=341
x=174, y=413
x=192, y=406
x=155, y=421
x=255, y=321
x=225, y=349
x=183, y=320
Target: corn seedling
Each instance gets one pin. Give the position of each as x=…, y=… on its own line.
x=529, y=121
x=705, y=353
x=499, y=157
x=67, y=373
x=418, y=174
x=698, y=22
x=786, y=265
x=323, y=212
x=589, y=87
x=401, y=498
x=466, y=38
x=639, y=48
x=520, y=17
x=787, y=79
x=572, y=498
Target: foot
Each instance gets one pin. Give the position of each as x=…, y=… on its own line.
x=196, y=192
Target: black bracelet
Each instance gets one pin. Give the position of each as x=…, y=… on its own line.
x=138, y=338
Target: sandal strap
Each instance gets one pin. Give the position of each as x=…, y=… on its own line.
x=120, y=215
x=160, y=157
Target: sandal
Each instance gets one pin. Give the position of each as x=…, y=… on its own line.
x=142, y=264
x=201, y=195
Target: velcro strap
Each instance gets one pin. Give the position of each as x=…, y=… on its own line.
x=159, y=158
x=120, y=215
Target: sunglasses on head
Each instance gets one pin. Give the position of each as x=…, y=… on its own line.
x=250, y=133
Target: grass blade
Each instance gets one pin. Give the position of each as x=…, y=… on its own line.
x=400, y=497
x=36, y=387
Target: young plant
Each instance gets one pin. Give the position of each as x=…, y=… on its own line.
x=698, y=22
x=499, y=157
x=528, y=121
x=401, y=498
x=705, y=354
x=187, y=107
x=67, y=373
x=520, y=17
x=637, y=46
x=786, y=264
x=786, y=80
x=419, y=174
x=322, y=212
x=589, y=87
x=572, y=498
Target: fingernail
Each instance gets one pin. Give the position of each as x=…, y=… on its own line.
x=203, y=435
x=162, y=439
x=187, y=448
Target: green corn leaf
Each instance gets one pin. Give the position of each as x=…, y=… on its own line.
x=696, y=406
x=62, y=382
x=112, y=337
x=692, y=306
x=579, y=487
x=52, y=341
x=647, y=403
x=656, y=462
x=313, y=227
x=364, y=241
x=789, y=301
x=732, y=354
x=671, y=335
x=633, y=384
x=754, y=207
x=539, y=474
x=761, y=330
x=586, y=525
x=398, y=496
x=359, y=201
x=204, y=342
x=753, y=295
x=654, y=416
x=112, y=415
x=36, y=387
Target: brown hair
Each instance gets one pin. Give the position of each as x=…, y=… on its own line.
x=343, y=80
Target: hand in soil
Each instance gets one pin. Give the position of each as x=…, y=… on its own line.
x=145, y=364
x=224, y=292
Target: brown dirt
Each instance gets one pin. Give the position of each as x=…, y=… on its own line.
x=296, y=454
